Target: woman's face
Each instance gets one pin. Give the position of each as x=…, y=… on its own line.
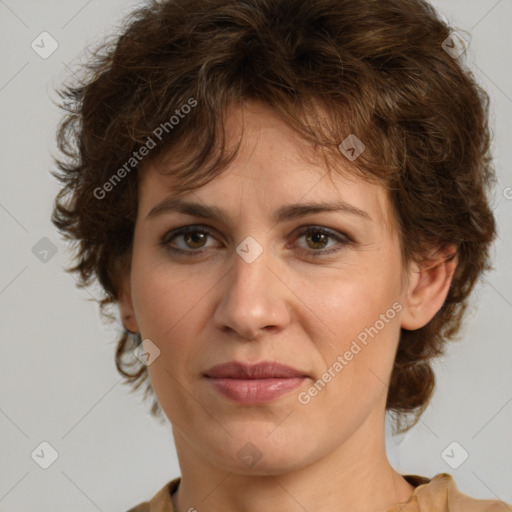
x=319, y=291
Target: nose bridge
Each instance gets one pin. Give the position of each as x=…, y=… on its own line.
x=252, y=294
x=251, y=261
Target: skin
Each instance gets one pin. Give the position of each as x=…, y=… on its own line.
x=286, y=306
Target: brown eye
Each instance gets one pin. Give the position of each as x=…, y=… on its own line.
x=317, y=239
x=193, y=239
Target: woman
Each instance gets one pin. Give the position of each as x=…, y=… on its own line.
x=287, y=202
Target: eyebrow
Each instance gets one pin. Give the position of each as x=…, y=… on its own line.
x=284, y=213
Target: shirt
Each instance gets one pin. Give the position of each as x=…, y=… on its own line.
x=439, y=494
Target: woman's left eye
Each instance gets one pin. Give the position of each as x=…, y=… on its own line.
x=319, y=235
x=195, y=237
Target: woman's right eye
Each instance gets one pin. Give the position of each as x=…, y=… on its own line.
x=194, y=238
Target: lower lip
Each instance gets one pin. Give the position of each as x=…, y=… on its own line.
x=255, y=391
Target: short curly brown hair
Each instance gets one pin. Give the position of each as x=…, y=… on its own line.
x=379, y=69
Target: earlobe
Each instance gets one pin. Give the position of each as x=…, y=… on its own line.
x=428, y=288
x=126, y=307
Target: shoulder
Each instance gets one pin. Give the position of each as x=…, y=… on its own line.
x=141, y=507
x=161, y=501
x=441, y=494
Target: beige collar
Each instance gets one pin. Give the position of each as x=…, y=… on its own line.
x=439, y=494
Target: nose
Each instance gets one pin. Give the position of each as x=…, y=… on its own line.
x=253, y=297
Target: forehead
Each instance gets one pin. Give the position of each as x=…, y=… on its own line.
x=273, y=164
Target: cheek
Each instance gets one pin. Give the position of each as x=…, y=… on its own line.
x=167, y=305
x=356, y=300
x=165, y=297
x=362, y=313
x=357, y=362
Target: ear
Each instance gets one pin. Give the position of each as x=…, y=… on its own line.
x=126, y=306
x=428, y=287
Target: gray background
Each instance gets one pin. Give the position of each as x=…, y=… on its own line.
x=59, y=382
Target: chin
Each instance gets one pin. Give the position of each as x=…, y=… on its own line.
x=253, y=451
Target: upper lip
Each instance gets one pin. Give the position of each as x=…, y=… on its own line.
x=262, y=370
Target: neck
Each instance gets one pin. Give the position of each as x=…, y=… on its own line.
x=356, y=476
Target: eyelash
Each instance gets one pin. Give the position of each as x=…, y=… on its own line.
x=168, y=237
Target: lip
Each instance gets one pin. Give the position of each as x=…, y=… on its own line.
x=254, y=383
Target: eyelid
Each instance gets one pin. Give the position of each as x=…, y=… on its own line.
x=183, y=230
x=328, y=231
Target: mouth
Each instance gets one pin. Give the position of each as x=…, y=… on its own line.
x=254, y=384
